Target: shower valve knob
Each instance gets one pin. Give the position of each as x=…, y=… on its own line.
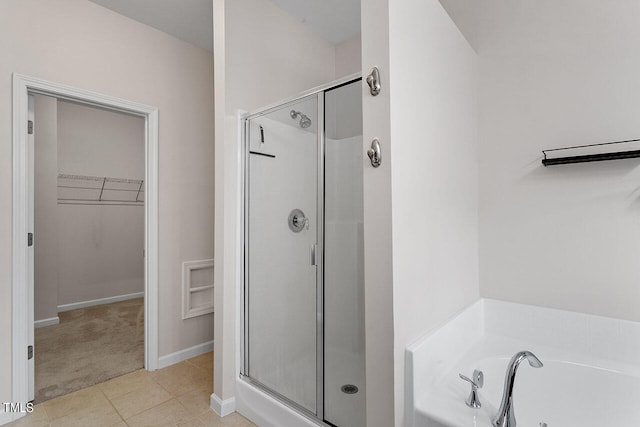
x=298, y=221
x=301, y=222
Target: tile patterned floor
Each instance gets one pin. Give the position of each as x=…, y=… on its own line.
x=176, y=396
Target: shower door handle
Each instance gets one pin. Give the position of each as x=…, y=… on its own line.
x=312, y=254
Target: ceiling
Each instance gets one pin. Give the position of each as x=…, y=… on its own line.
x=188, y=20
x=192, y=20
x=334, y=20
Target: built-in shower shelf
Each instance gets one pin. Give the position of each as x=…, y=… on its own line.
x=592, y=153
x=200, y=288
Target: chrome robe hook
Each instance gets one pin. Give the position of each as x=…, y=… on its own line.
x=373, y=80
x=375, y=153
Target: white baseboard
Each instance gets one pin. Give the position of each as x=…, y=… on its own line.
x=223, y=407
x=108, y=300
x=46, y=322
x=187, y=353
x=5, y=417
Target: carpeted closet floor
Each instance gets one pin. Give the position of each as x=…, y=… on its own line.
x=89, y=346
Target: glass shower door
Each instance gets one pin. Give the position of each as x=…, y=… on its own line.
x=281, y=304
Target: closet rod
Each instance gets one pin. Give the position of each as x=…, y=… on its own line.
x=91, y=202
x=97, y=188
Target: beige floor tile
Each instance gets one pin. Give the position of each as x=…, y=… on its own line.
x=176, y=395
x=196, y=401
x=181, y=378
x=96, y=415
x=211, y=419
x=204, y=361
x=76, y=401
x=195, y=422
x=128, y=383
x=38, y=418
x=169, y=413
x=140, y=400
x=207, y=386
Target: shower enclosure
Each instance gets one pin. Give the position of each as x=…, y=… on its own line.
x=303, y=292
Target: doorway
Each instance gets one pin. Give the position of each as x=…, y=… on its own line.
x=88, y=201
x=23, y=221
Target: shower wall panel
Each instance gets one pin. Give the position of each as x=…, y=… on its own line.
x=344, y=282
x=344, y=259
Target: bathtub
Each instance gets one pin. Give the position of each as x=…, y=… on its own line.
x=590, y=377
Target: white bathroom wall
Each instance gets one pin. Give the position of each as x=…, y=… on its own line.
x=46, y=208
x=81, y=44
x=434, y=174
x=263, y=55
x=100, y=249
x=85, y=253
x=99, y=142
x=378, y=244
x=556, y=74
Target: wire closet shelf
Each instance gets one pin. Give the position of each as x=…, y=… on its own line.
x=99, y=190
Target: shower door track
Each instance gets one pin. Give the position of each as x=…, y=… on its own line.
x=318, y=417
x=290, y=403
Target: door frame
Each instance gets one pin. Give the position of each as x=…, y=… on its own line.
x=22, y=287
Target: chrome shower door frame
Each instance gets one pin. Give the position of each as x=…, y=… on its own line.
x=318, y=417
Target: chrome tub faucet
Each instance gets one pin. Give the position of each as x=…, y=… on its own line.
x=505, y=416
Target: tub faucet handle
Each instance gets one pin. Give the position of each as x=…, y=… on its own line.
x=473, y=401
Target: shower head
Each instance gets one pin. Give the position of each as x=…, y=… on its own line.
x=305, y=121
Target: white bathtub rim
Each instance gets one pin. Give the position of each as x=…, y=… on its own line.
x=444, y=403
x=487, y=319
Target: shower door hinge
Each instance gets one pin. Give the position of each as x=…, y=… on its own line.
x=29, y=352
x=30, y=127
x=29, y=239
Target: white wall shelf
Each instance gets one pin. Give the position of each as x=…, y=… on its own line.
x=197, y=288
x=627, y=149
